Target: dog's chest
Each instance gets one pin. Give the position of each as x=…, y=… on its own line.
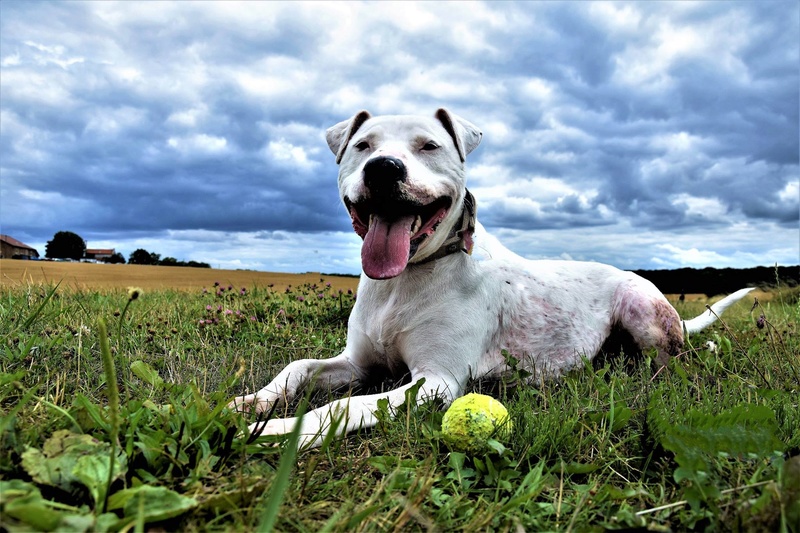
x=386, y=327
x=388, y=317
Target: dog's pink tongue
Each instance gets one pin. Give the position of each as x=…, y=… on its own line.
x=384, y=253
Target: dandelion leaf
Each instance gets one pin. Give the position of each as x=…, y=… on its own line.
x=146, y=373
x=156, y=503
x=23, y=508
x=68, y=458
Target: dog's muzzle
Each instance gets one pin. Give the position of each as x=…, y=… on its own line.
x=394, y=226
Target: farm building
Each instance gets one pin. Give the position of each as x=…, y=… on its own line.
x=99, y=254
x=11, y=248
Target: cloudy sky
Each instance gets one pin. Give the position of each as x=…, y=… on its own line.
x=643, y=134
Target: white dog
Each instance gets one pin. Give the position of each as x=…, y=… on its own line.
x=440, y=299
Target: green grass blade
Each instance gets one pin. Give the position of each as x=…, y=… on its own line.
x=281, y=483
x=33, y=316
x=113, y=400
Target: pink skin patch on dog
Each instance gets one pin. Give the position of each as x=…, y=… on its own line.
x=651, y=321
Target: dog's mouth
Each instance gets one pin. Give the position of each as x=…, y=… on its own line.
x=393, y=231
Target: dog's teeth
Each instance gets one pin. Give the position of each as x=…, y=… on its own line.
x=416, y=225
x=371, y=218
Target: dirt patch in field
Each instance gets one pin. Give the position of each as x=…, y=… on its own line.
x=101, y=276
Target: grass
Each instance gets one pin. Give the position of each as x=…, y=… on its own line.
x=113, y=418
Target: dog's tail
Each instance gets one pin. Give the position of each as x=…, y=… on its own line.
x=706, y=319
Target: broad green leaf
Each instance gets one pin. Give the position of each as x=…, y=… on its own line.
x=67, y=458
x=23, y=508
x=92, y=471
x=146, y=373
x=159, y=503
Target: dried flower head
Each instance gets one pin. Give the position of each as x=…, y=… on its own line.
x=134, y=293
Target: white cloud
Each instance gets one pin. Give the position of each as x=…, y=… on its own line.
x=709, y=208
x=290, y=155
x=609, y=128
x=790, y=193
x=198, y=144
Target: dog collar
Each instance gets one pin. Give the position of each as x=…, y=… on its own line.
x=460, y=237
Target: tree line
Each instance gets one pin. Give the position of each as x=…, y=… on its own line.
x=713, y=281
x=69, y=245
x=708, y=281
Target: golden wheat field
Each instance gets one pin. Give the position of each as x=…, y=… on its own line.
x=81, y=276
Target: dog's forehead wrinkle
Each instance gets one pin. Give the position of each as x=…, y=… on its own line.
x=403, y=127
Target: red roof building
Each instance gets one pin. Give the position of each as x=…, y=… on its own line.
x=99, y=253
x=11, y=248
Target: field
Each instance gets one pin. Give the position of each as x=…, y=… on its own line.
x=114, y=419
x=79, y=276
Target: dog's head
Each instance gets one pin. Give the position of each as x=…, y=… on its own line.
x=402, y=180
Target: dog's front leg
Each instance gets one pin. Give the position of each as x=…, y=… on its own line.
x=356, y=412
x=334, y=372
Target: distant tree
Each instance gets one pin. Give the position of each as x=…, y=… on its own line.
x=65, y=245
x=170, y=261
x=117, y=258
x=143, y=257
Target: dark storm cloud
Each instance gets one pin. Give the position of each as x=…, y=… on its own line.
x=203, y=120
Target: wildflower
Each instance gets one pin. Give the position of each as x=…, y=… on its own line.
x=761, y=322
x=301, y=299
x=321, y=295
x=208, y=308
x=240, y=371
x=252, y=319
x=228, y=312
x=243, y=291
x=134, y=293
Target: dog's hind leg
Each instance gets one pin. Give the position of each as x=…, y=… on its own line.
x=642, y=311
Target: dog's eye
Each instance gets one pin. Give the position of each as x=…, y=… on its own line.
x=363, y=145
x=430, y=145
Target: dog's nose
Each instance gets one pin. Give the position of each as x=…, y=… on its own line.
x=383, y=173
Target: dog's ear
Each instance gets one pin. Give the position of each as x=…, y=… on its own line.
x=465, y=135
x=339, y=135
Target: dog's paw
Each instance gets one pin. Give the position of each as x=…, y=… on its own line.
x=311, y=434
x=249, y=404
x=276, y=426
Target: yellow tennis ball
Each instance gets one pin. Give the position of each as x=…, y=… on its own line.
x=473, y=419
